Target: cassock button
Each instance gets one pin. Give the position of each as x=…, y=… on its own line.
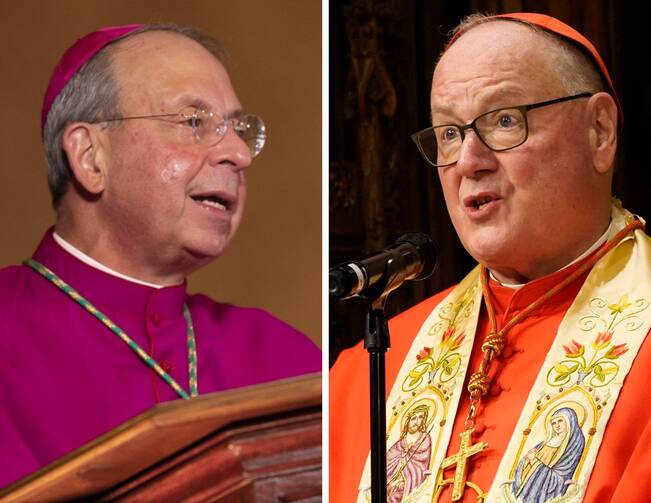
x=155, y=319
x=497, y=388
x=509, y=352
x=166, y=365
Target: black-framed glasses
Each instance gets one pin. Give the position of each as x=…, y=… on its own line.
x=500, y=129
x=208, y=128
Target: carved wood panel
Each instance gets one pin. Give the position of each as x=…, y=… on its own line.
x=277, y=460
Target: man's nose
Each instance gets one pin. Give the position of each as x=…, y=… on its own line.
x=474, y=156
x=233, y=150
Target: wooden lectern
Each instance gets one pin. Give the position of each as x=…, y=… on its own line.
x=256, y=444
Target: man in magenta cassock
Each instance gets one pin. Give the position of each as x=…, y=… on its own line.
x=147, y=148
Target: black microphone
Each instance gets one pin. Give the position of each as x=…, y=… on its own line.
x=413, y=256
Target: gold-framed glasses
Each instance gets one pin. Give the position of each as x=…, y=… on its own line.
x=208, y=128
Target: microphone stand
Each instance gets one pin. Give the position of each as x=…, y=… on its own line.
x=376, y=342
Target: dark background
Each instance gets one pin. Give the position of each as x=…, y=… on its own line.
x=382, y=55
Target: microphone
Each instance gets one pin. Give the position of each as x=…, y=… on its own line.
x=413, y=256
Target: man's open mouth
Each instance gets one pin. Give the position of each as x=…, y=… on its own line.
x=481, y=201
x=213, y=201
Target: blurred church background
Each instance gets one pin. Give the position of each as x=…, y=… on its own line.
x=382, y=54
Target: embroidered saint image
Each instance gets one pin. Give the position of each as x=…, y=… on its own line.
x=409, y=457
x=545, y=472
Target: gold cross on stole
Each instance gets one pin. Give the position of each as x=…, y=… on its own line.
x=459, y=483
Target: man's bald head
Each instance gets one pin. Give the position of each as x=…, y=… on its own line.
x=577, y=63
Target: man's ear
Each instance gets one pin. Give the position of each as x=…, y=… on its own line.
x=81, y=143
x=603, y=131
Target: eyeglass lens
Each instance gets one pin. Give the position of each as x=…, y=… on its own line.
x=210, y=129
x=498, y=130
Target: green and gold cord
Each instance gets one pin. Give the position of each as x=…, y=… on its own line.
x=192, y=347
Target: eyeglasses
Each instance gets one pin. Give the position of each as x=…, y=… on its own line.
x=501, y=129
x=208, y=128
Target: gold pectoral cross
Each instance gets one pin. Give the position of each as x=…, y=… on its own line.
x=459, y=482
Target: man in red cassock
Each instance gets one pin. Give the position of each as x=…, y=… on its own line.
x=535, y=367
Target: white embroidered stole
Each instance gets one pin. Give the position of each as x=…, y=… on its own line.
x=555, y=443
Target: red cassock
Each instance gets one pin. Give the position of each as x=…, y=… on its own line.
x=622, y=471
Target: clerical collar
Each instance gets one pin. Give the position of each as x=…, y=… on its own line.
x=602, y=239
x=77, y=253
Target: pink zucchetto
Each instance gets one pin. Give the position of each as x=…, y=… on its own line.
x=75, y=57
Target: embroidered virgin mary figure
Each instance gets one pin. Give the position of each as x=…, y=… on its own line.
x=546, y=471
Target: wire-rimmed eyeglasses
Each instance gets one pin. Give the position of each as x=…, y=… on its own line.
x=500, y=129
x=209, y=128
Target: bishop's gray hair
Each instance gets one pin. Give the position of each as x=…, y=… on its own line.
x=92, y=95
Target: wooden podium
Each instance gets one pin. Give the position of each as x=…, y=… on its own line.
x=255, y=444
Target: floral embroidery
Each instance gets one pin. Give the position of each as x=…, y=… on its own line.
x=609, y=316
x=597, y=363
x=603, y=370
x=574, y=350
x=424, y=353
x=447, y=360
x=620, y=306
x=616, y=351
x=442, y=362
x=455, y=313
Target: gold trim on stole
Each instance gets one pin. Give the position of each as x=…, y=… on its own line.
x=435, y=367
